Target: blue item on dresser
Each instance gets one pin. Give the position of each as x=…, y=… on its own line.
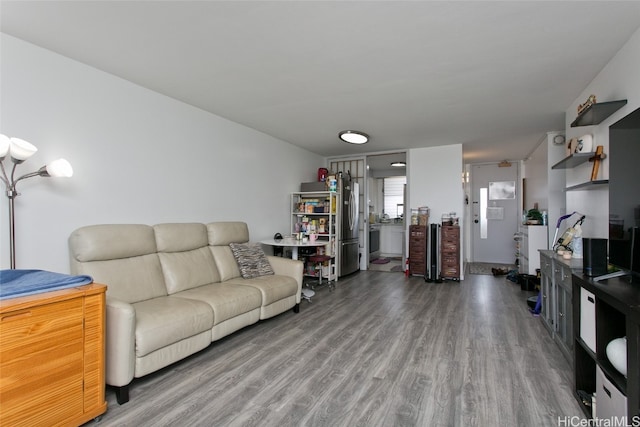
x=18, y=283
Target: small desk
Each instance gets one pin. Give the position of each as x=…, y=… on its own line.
x=293, y=244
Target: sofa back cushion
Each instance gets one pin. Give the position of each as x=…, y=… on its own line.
x=187, y=261
x=122, y=256
x=221, y=234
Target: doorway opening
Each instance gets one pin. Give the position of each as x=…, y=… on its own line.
x=386, y=202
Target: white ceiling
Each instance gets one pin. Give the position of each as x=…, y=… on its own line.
x=493, y=76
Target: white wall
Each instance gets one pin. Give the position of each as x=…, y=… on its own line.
x=435, y=180
x=138, y=157
x=545, y=185
x=534, y=174
x=618, y=80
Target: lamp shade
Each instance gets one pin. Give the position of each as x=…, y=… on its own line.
x=21, y=150
x=59, y=168
x=5, y=143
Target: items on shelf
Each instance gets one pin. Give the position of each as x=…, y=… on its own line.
x=420, y=216
x=617, y=354
x=589, y=102
x=322, y=174
x=313, y=222
x=584, y=144
x=596, y=159
x=449, y=218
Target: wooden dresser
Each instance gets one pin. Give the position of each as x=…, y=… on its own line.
x=417, y=249
x=52, y=357
x=450, y=252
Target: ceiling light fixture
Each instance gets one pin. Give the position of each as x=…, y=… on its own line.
x=354, y=137
x=398, y=164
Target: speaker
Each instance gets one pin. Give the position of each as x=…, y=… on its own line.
x=595, y=257
x=433, y=255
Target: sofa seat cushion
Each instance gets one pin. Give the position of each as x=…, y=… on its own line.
x=164, y=321
x=273, y=287
x=226, y=300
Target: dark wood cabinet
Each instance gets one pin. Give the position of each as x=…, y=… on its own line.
x=450, y=252
x=417, y=249
x=612, y=307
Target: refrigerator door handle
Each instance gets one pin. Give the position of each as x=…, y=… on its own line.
x=351, y=216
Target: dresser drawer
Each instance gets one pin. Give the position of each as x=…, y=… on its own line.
x=41, y=363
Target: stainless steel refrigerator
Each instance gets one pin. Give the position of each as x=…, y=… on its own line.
x=348, y=242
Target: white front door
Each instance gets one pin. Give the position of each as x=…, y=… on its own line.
x=495, y=212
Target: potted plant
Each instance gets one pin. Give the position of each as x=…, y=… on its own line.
x=534, y=216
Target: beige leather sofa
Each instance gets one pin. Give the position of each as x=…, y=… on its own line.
x=173, y=289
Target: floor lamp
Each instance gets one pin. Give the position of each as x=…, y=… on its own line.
x=20, y=150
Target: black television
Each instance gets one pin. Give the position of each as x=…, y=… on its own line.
x=624, y=195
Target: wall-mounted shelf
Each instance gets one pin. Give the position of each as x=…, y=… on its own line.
x=598, y=112
x=573, y=161
x=590, y=185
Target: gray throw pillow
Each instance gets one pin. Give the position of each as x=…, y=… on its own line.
x=251, y=260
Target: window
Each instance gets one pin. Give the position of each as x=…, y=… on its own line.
x=393, y=193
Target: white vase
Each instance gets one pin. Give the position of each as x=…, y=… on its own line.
x=617, y=354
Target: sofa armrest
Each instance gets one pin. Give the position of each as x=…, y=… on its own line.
x=120, y=342
x=287, y=267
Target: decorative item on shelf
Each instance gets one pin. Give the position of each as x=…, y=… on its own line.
x=590, y=101
x=20, y=150
x=322, y=174
x=423, y=215
x=596, y=159
x=534, y=217
x=571, y=146
x=584, y=144
x=449, y=218
x=559, y=139
x=333, y=183
x=617, y=354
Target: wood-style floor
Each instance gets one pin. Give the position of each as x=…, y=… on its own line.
x=380, y=350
